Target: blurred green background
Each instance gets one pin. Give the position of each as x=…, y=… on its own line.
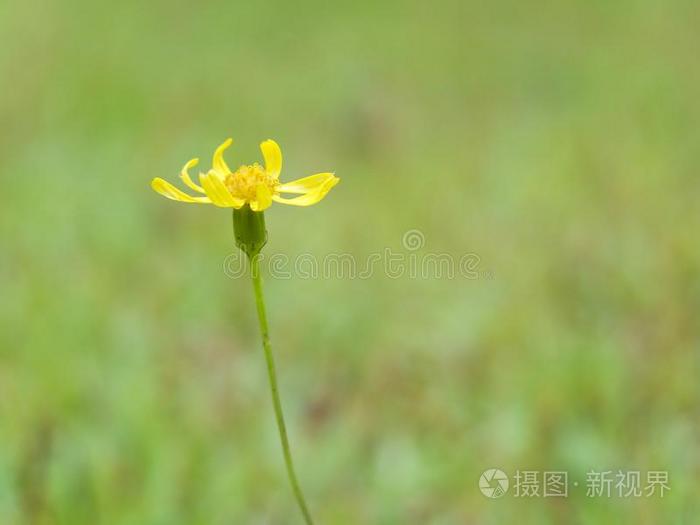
x=558, y=141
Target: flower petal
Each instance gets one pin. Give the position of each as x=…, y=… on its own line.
x=171, y=192
x=263, y=200
x=217, y=191
x=273, y=157
x=185, y=176
x=218, y=162
x=312, y=197
x=306, y=184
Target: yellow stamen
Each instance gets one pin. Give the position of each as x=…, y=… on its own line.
x=244, y=182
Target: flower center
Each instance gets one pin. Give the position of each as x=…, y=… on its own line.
x=244, y=182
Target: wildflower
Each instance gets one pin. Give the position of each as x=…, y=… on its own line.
x=250, y=190
x=253, y=184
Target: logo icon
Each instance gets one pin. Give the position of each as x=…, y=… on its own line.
x=493, y=483
x=413, y=240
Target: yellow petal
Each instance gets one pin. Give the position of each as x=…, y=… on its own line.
x=171, y=192
x=263, y=200
x=218, y=162
x=312, y=197
x=273, y=157
x=217, y=191
x=185, y=176
x=305, y=184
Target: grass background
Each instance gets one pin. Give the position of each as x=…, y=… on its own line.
x=556, y=140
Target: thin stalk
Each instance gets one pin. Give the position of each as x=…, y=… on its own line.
x=272, y=375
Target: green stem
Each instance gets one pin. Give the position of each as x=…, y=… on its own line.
x=264, y=331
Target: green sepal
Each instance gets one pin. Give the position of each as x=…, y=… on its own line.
x=249, y=230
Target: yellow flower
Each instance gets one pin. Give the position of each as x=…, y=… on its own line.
x=250, y=184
